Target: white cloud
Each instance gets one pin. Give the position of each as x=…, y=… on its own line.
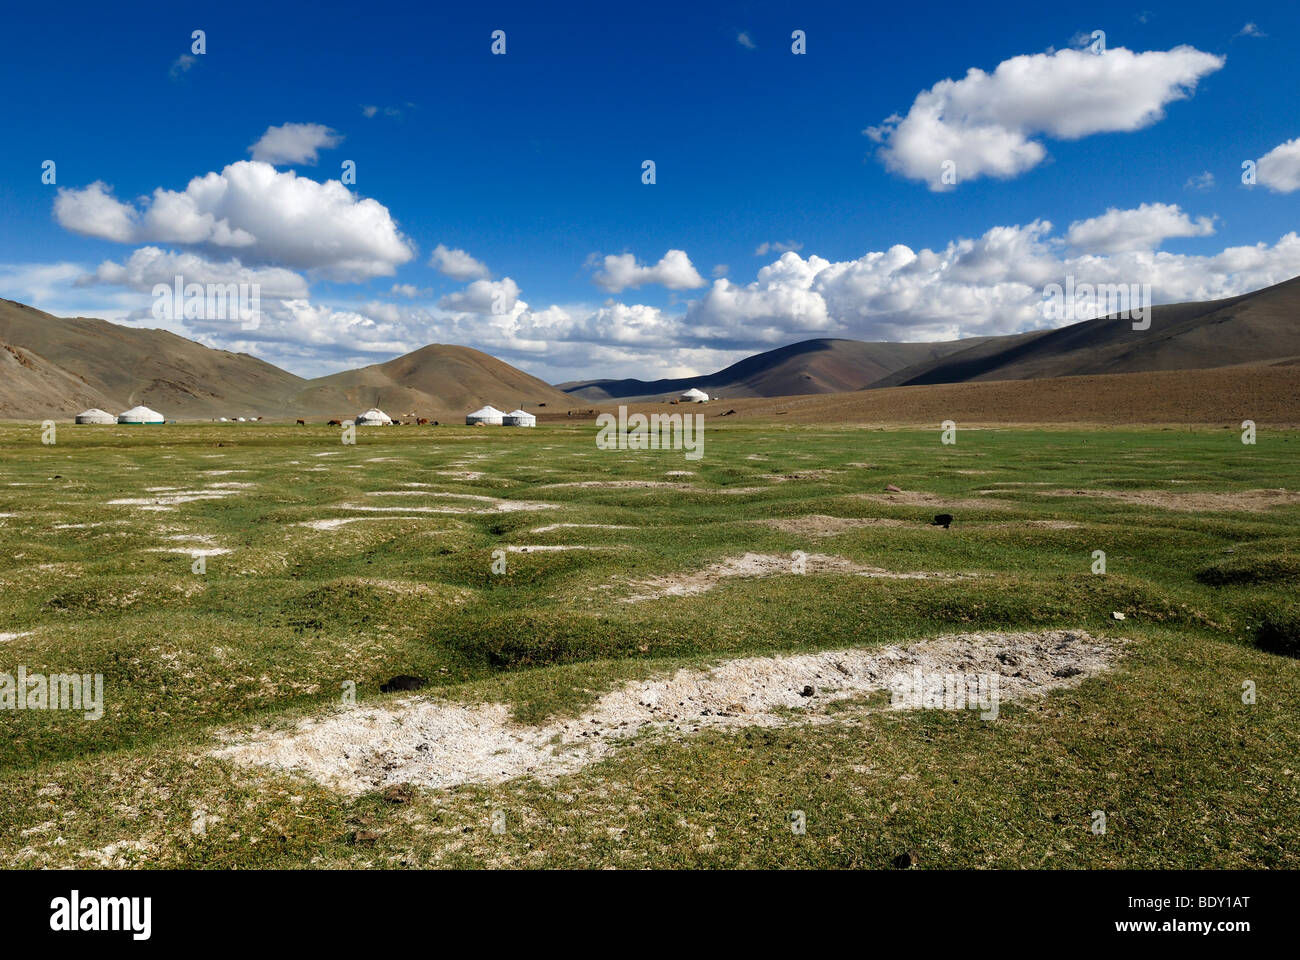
x=268, y=216
x=484, y=297
x=1279, y=169
x=182, y=65
x=294, y=143
x=1202, y=181
x=150, y=265
x=986, y=285
x=763, y=249
x=1250, y=30
x=674, y=271
x=985, y=123
x=1142, y=229
x=743, y=39
x=457, y=264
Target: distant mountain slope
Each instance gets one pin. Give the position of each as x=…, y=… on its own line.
x=56, y=366
x=812, y=366
x=29, y=382
x=1259, y=327
x=436, y=380
x=125, y=366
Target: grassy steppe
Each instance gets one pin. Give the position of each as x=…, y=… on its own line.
x=1187, y=774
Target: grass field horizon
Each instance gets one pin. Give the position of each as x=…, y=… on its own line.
x=251, y=573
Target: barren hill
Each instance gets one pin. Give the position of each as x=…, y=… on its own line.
x=119, y=367
x=438, y=380
x=1266, y=394
x=1258, y=327
x=812, y=366
x=55, y=367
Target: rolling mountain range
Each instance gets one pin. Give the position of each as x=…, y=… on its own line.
x=54, y=367
x=1259, y=327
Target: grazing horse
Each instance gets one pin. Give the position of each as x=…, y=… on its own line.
x=302, y=423
x=335, y=423
x=422, y=422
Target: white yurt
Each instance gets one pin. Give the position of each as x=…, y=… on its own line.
x=374, y=417
x=95, y=415
x=140, y=414
x=488, y=415
x=695, y=396
x=519, y=418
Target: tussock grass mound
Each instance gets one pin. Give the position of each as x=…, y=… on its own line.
x=1272, y=569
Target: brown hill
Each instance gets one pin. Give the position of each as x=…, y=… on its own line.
x=25, y=375
x=120, y=367
x=436, y=381
x=55, y=367
x=1266, y=394
x=1258, y=327
x=812, y=366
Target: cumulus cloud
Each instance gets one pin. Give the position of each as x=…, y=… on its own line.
x=484, y=297
x=1202, y=181
x=675, y=271
x=984, y=285
x=151, y=265
x=94, y=212
x=763, y=249
x=1142, y=229
x=457, y=264
x=267, y=216
x=985, y=123
x=1279, y=169
x=294, y=143
x=992, y=284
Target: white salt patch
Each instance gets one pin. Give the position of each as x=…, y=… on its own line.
x=440, y=744
x=765, y=565
x=336, y=522
x=586, y=526
x=14, y=636
x=192, y=551
x=549, y=548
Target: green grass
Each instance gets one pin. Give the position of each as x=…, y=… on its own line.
x=1187, y=773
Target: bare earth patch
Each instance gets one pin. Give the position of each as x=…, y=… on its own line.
x=764, y=565
x=820, y=525
x=439, y=744
x=799, y=475
x=1247, y=501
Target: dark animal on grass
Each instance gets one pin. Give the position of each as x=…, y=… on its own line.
x=334, y=423
x=422, y=422
x=302, y=423
x=942, y=520
x=403, y=682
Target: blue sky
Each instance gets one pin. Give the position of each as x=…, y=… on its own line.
x=530, y=163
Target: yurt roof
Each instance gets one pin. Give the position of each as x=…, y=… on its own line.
x=374, y=413
x=488, y=411
x=96, y=412
x=142, y=413
x=694, y=392
x=518, y=413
